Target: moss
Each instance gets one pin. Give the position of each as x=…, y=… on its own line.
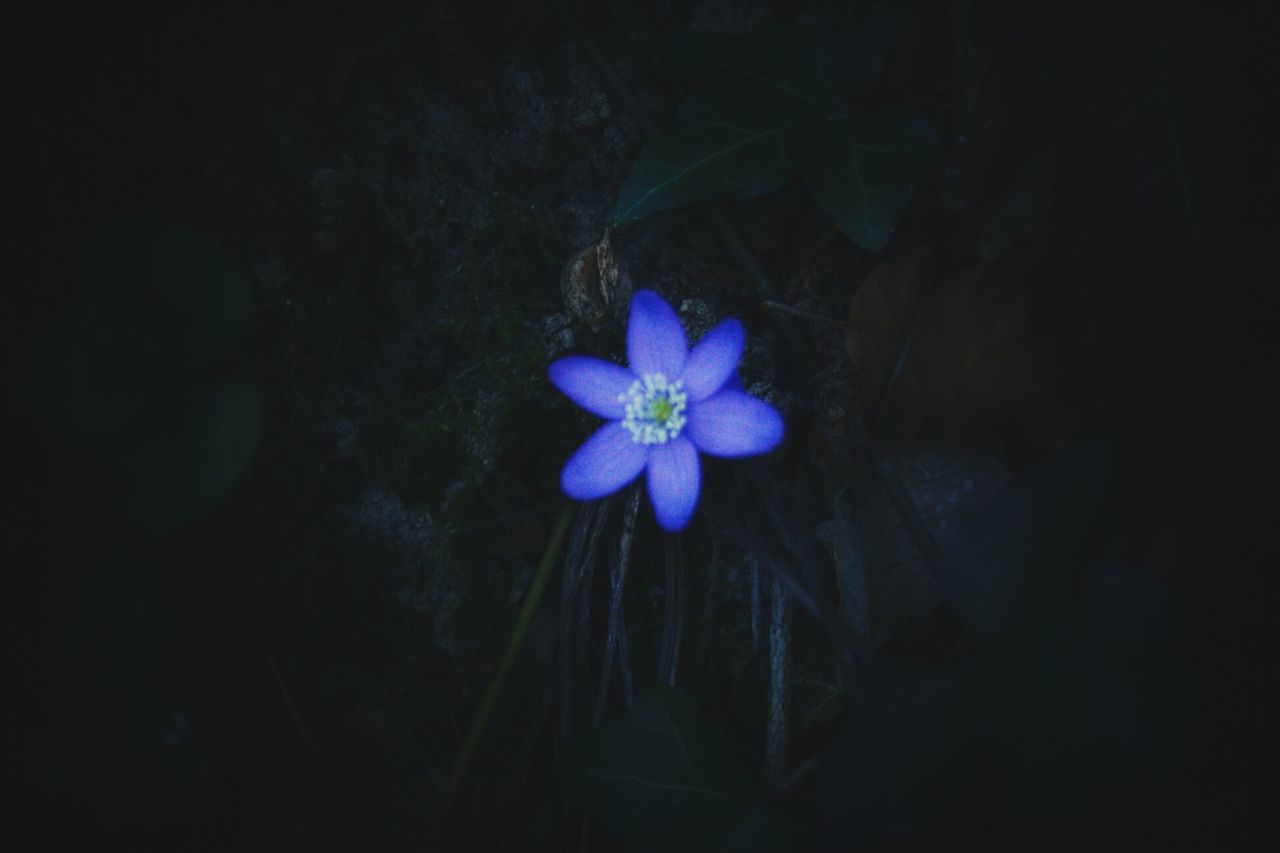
x=415, y=447
x=421, y=445
x=511, y=268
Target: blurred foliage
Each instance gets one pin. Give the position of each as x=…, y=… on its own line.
x=977, y=365
x=764, y=109
x=1077, y=694
x=661, y=778
x=136, y=373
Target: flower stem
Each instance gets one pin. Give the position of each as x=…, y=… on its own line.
x=533, y=596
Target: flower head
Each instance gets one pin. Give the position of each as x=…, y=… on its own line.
x=670, y=405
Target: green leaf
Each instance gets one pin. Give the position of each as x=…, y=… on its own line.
x=662, y=779
x=721, y=147
x=182, y=464
x=764, y=109
x=862, y=170
x=135, y=372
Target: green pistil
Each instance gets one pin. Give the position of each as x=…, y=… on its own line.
x=660, y=410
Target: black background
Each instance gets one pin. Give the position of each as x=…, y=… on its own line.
x=337, y=156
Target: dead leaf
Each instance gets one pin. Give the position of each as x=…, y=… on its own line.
x=976, y=372
x=880, y=315
x=595, y=285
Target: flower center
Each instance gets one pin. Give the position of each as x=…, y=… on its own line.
x=655, y=409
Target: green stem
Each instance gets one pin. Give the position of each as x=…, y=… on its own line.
x=532, y=597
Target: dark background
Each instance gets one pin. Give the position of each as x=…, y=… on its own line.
x=272, y=632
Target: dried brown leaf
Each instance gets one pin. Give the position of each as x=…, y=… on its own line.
x=975, y=372
x=880, y=315
x=595, y=285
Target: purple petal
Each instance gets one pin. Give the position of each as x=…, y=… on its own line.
x=603, y=464
x=713, y=360
x=731, y=423
x=674, y=480
x=592, y=384
x=655, y=338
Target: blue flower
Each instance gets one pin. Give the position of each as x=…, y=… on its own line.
x=672, y=404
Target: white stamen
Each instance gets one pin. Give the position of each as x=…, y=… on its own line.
x=655, y=409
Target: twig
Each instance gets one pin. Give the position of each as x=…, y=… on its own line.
x=292, y=708
x=753, y=561
x=452, y=379
x=820, y=319
x=802, y=772
x=617, y=580
x=775, y=747
x=904, y=349
x=834, y=692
